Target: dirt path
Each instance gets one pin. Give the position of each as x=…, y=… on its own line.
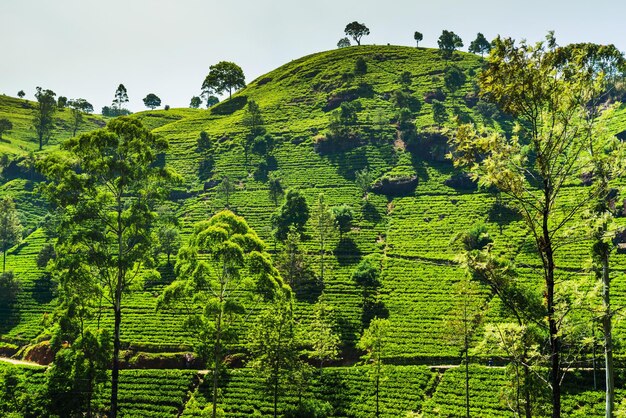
x=19, y=362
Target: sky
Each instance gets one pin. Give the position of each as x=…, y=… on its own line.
x=86, y=48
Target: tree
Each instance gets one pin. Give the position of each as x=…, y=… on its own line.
x=9, y=288
x=453, y=78
x=104, y=193
x=418, y=38
x=61, y=102
x=169, y=240
x=363, y=180
x=43, y=121
x=465, y=317
x=356, y=31
x=366, y=275
x=290, y=261
x=226, y=188
x=195, y=102
x=274, y=347
x=343, y=216
x=10, y=228
x=5, y=126
x=221, y=275
x=21, y=94
x=78, y=107
x=210, y=100
x=440, y=114
x=275, y=188
x=253, y=121
x=553, y=92
x=293, y=212
x=606, y=168
x=448, y=42
x=121, y=98
x=223, y=76
x=324, y=225
x=480, y=45
x=343, y=43
x=323, y=336
x=360, y=66
x=152, y=101
x=374, y=342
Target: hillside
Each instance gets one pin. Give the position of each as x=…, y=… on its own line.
x=407, y=231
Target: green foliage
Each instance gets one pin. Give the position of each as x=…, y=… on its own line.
x=104, y=193
x=274, y=348
x=195, y=102
x=440, y=114
x=343, y=43
x=293, y=213
x=5, y=126
x=61, y=102
x=275, y=187
x=152, y=101
x=322, y=334
x=226, y=188
x=223, y=76
x=448, y=42
x=360, y=66
x=43, y=121
x=374, y=342
x=363, y=180
x=223, y=271
x=356, y=31
x=454, y=78
x=480, y=45
x=21, y=94
x=121, y=97
x=78, y=107
x=343, y=216
x=10, y=227
x=418, y=37
x=476, y=238
x=324, y=226
x=9, y=289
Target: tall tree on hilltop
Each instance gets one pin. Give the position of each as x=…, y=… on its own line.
x=152, y=101
x=105, y=192
x=78, y=108
x=10, y=228
x=449, y=42
x=223, y=76
x=120, y=99
x=356, y=31
x=222, y=273
x=43, y=120
x=480, y=45
x=418, y=38
x=553, y=92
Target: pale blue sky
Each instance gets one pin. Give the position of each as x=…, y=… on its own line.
x=85, y=48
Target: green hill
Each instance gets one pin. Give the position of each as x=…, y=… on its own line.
x=407, y=228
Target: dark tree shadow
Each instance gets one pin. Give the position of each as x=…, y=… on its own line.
x=373, y=307
x=309, y=288
x=44, y=288
x=370, y=213
x=229, y=106
x=347, y=252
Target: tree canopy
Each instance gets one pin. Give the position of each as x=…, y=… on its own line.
x=223, y=76
x=480, y=45
x=449, y=42
x=152, y=101
x=356, y=31
x=418, y=37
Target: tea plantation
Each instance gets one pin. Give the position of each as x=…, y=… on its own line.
x=408, y=232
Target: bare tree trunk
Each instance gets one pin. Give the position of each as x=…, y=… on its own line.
x=115, y=371
x=608, y=335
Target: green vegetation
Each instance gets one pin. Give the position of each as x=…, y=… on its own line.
x=368, y=128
